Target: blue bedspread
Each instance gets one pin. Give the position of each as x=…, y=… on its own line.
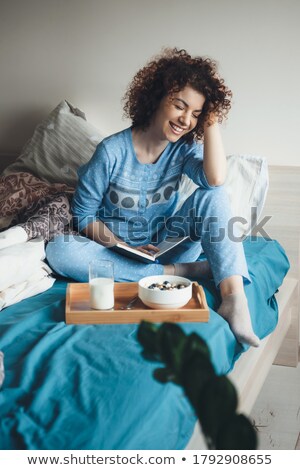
x=87, y=387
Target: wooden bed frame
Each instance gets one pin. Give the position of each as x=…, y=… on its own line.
x=282, y=346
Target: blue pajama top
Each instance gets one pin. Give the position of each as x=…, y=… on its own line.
x=125, y=194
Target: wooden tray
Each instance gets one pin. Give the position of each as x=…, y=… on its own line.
x=78, y=310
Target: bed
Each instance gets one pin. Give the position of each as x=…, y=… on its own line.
x=87, y=387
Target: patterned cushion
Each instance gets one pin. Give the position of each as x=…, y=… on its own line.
x=60, y=144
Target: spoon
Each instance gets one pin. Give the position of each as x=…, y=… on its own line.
x=130, y=304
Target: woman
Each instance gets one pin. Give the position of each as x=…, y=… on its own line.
x=128, y=191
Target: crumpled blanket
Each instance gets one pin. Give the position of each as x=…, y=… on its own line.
x=42, y=210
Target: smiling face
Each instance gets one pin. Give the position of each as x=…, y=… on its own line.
x=178, y=114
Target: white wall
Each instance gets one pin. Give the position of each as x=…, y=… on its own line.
x=88, y=50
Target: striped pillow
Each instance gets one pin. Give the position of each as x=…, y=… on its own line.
x=60, y=144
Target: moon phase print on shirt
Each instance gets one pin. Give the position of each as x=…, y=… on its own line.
x=156, y=197
x=168, y=192
x=114, y=197
x=127, y=202
x=132, y=201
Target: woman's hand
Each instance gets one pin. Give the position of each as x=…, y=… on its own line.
x=212, y=118
x=148, y=249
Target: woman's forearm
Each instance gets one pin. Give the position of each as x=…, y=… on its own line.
x=214, y=160
x=101, y=234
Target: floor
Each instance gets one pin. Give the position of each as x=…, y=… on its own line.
x=276, y=413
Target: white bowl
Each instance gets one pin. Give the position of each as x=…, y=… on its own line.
x=164, y=299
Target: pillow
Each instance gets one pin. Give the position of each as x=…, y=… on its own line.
x=247, y=184
x=60, y=144
x=22, y=272
x=19, y=262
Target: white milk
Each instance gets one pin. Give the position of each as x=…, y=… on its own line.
x=102, y=293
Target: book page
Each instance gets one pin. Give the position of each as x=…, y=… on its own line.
x=168, y=243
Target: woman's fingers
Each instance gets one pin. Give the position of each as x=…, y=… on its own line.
x=152, y=248
x=148, y=249
x=142, y=249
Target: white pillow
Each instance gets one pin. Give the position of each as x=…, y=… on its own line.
x=36, y=283
x=62, y=142
x=246, y=183
x=19, y=262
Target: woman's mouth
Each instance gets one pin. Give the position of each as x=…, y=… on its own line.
x=176, y=129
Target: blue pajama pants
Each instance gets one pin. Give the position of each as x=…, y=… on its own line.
x=204, y=216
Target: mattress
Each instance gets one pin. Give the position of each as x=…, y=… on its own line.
x=88, y=387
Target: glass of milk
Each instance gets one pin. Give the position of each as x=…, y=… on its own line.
x=101, y=281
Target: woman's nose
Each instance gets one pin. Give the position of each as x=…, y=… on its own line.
x=184, y=119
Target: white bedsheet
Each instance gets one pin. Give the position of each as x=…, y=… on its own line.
x=23, y=272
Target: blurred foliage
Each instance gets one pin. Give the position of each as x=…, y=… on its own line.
x=214, y=398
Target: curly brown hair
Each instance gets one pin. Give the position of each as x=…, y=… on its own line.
x=168, y=73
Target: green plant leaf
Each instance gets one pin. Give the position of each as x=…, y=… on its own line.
x=171, y=340
x=214, y=398
x=195, y=344
x=217, y=404
x=150, y=356
x=147, y=336
x=237, y=434
x=194, y=375
x=164, y=375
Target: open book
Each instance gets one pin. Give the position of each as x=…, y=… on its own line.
x=131, y=252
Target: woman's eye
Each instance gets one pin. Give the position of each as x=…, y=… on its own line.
x=178, y=107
